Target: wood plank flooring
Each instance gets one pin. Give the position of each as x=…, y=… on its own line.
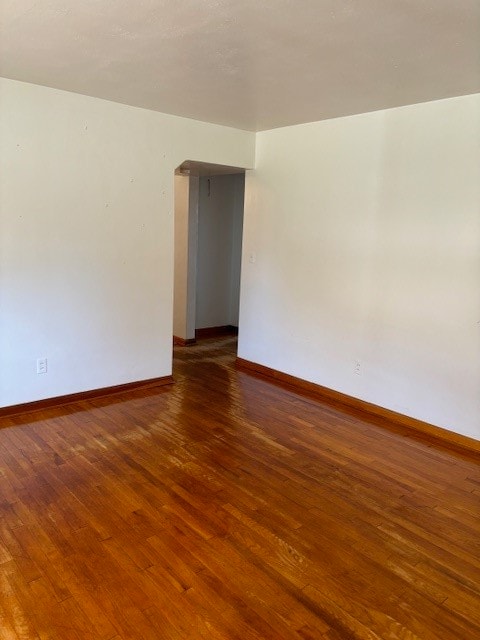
x=227, y=508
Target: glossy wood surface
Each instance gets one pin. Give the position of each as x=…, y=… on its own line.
x=391, y=419
x=47, y=403
x=225, y=507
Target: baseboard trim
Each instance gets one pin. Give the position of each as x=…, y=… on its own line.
x=412, y=425
x=49, y=403
x=216, y=332
x=183, y=342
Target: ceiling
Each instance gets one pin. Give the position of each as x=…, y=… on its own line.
x=251, y=64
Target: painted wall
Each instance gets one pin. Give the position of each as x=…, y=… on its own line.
x=236, y=252
x=86, y=237
x=220, y=225
x=185, y=250
x=366, y=231
x=180, y=269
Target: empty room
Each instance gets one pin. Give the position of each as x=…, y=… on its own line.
x=239, y=320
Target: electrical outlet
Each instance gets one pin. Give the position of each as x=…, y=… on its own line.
x=357, y=368
x=41, y=365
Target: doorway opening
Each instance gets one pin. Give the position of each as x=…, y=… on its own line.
x=209, y=204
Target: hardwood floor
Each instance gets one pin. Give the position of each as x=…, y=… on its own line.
x=225, y=507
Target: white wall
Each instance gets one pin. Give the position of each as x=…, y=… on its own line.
x=185, y=250
x=220, y=223
x=86, y=237
x=366, y=231
x=193, y=196
x=236, y=252
x=180, y=269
